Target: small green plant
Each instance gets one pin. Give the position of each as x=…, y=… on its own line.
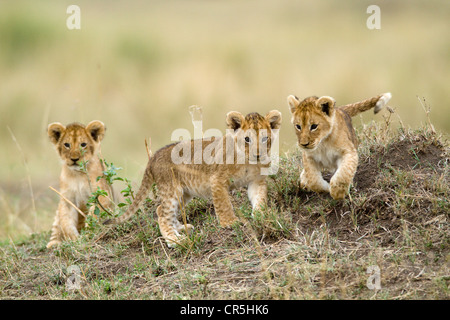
x=110, y=175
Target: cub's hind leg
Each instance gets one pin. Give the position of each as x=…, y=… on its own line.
x=183, y=226
x=168, y=222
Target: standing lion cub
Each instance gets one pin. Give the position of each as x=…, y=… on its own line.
x=207, y=169
x=328, y=141
x=77, y=144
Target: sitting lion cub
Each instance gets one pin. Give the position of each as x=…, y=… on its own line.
x=77, y=144
x=183, y=170
x=328, y=141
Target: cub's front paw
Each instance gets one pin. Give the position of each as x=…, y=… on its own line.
x=337, y=193
x=338, y=189
x=226, y=220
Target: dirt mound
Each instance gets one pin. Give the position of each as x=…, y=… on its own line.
x=419, y=154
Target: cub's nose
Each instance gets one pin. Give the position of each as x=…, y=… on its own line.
x=305, y=144
x=75, y=160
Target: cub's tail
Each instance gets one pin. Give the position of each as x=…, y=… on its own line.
x=146, y=184
x=377, y=103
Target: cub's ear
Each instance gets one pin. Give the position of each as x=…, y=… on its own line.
x=326, y=104
x=293, y=103
x=274, y=118
x=235, y=120
x=55, y=130
x=96, y=129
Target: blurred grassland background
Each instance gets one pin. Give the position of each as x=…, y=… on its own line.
x=139, y=65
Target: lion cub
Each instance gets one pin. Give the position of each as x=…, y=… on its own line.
x=201, y=168
x=76, y=143
x=328, y=141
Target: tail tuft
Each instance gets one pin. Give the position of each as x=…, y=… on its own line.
x=377, y=103
x=384, y=99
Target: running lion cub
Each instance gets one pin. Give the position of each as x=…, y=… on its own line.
x=328, y=141
x=77, y=144
x=206, y=169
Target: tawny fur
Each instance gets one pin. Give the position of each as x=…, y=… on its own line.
x=327, y=138
x=178, y=183
x=76, y=143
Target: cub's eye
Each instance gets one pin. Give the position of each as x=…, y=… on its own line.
x=264, y=139
x=247, y=139
x=314, y=127
x=299, y=127
x=67, y=145
x=83, y=145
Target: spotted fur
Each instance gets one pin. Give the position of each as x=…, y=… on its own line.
x=177, y=184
